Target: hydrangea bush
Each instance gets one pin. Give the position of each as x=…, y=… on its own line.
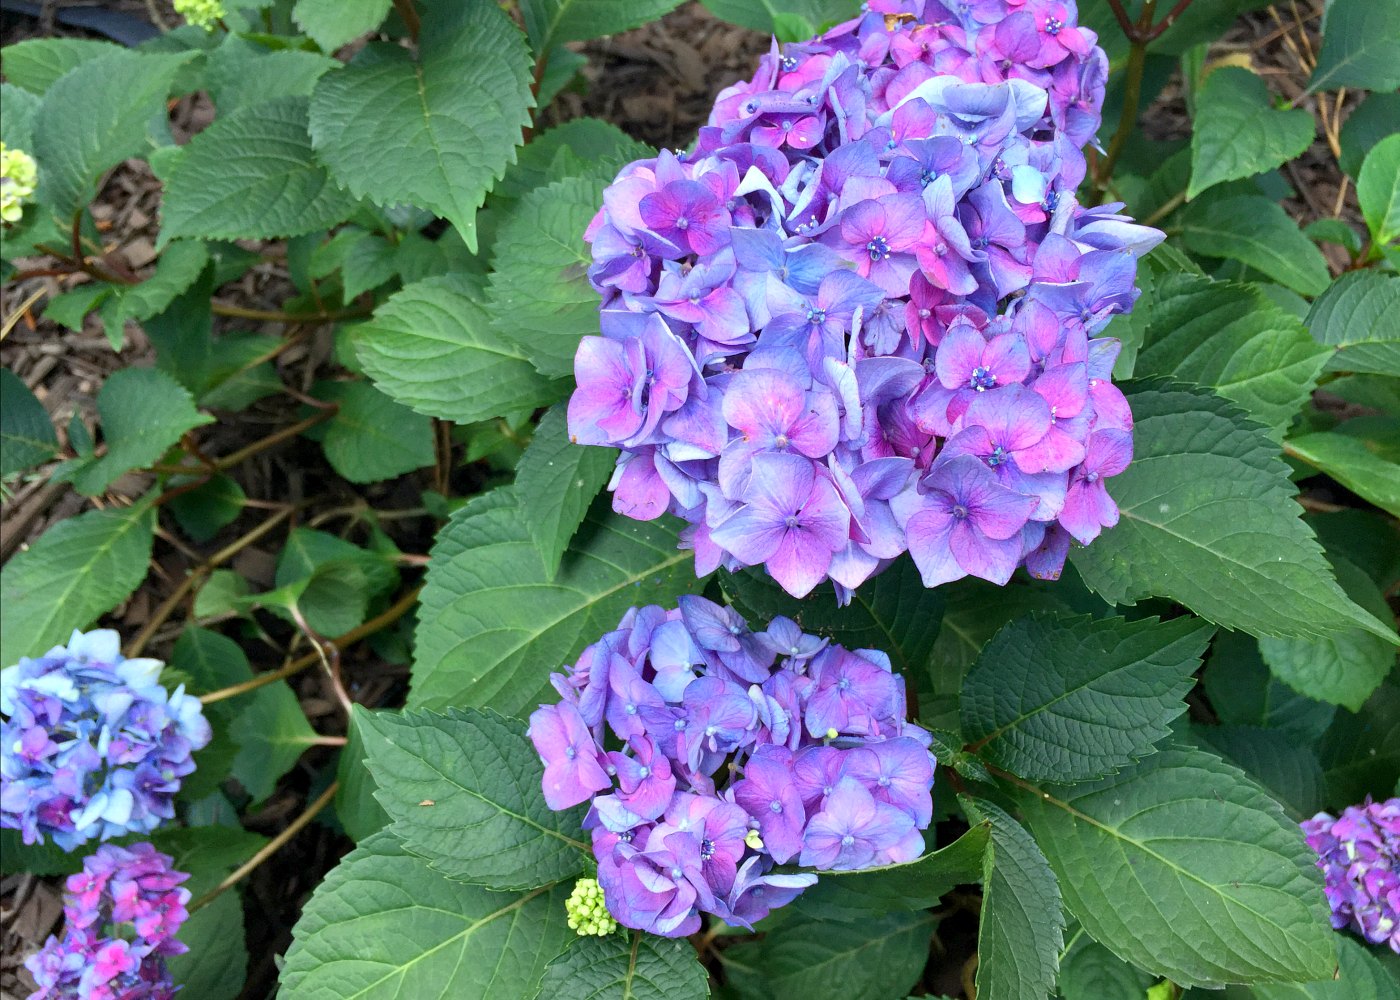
x=917, y=509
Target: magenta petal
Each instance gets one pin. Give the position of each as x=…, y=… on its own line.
x=762, y=403
x=800, y=562
x=989, y=558
x=958, y=354
x=750, y=533
x=928, y=532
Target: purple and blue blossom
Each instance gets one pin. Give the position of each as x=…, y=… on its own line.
x=92, y=747
x=1359, y=854
x=741, y=751
x=121, y=913
x=874, y=253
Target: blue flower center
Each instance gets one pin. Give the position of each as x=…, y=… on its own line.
x=884, y=782
x=678, y=725
x=707, y=849
x=646, y=772
x=816, y=316
x=676, y=873
x=631, y=710
x=982, y=379
x=997, y=456
x=775, y=806
x=927, y=176
x=844, y=684
x=682, y=223
x=847, y=840
x=878, y=248
x=790, y=520
x=960, y=512
x=570, y=752
x=789, y=63
x=1092, y=477
x=1053, y=26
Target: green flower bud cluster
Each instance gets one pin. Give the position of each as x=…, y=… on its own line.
x=588, y=914
x=201, y=13
x=19, y=175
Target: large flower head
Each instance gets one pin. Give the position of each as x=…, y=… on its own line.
x=900, y=189
x=741, y=751
x=92, y=746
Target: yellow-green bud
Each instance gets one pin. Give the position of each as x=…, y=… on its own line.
x=831, y=734
x=588, y=911
x=201, y=13
x=19, y=176
x=754, y=840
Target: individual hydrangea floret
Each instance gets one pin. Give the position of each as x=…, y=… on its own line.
x=738, y=751
x=204, y=14
x=91, y=745
x=864, y=316
x=1359, y=854
x=588, y=911
x=19, y=176
x=121, y=913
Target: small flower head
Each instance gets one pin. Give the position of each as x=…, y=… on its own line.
x=19, y=176
x=121, y=914
x=587, y=910
x=91, y=745
x=1359, y=854
x=204, y=14
x=741, y=751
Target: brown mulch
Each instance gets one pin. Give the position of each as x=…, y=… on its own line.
x=658, y=84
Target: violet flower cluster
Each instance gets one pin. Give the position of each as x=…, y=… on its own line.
x=863, y=316
x=122, y=912
x=91, y=745
x=712, y=753
x=1359, y=854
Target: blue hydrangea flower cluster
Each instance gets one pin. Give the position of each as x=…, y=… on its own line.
x=91, y=745
x=741, y=750
x=122, y=912
x=1359, y=854
x=863, y=316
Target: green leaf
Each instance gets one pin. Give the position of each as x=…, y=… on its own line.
x=179, y=267
x=1256, y=231
x=1238, y=133
x=1092, y=972
x=204, y=511
x=893, y=612
x=540, y=298
x=550, y=22
x=372, y=436
x=1360, y=752
x=556, y=481
x=636, y=967
x=384, y=925
x=252, y=175
x=1184, y=868
x=332, y=23
x=1022, y=928
x=17, y=124
x=37, y=63
x=872, y=960
x=272, y=733
x=211, y=661
x=1366, y=125
x=586, y=145
x=766, y=15
x=858, y=896
x=1356, y=317
x=432, y=348
x=1360, y=976
x=356, y=807
x=1065, y=699
x=1345, y=668
x=493, y=623
x=240, y=72
x=464, y=792
x=1360, y=46
x=27, y=436
x=143, y=413
x=1229, y=336
x=1208, y=519
x=307, y=550
x=1286, y=768
x=370, y=261
x=94, y=117
x=1378, y=189
x=78, y=569
x=975, y=610
x=1243, y=692
x=1360, y=454
x=436, y=132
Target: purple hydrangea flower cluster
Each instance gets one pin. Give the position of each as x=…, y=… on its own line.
x=122, y=912
x=739, y=751
x=862, y=317
x=1359, y=853
x=91, y=745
